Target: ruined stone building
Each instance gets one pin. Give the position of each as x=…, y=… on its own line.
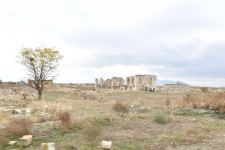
x=141, y=82
x=113, y=83
x=133, y=83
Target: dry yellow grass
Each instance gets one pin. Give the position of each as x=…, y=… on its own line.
x=136, y=130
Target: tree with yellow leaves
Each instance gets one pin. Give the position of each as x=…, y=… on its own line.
x=41, y=64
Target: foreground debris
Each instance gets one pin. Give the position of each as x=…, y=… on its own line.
x=48, y=146
x=26, y=140
x=107, y=144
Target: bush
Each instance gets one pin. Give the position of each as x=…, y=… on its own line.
x=92, y=134
x=187, y=97
x=194, y=105
x=120, y=108
x=204, y=89
x=18, y=127
x=105, y=121
x=65, y=119
x=160, y=119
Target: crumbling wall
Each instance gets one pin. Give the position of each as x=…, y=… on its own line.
x=117, y=83
x=141, y=82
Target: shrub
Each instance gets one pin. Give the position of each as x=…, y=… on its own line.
x=167, y=103
x=65, y=119
x=221, y=108
x=18, y=127
x=194, y=105
x=204, y=89
x=120, y=108
x=105, y=121
x=160, y=119
x=207, y=106
x=187, y=97
x=92, y=134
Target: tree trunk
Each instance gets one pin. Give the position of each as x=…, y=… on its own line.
x=40, y=94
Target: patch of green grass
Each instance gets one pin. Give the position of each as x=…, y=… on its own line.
x=178, y=137
x=54, y=95
x=104, y=121
x=70, y=147
x=130, y=146
x=39, y=139
x=173, y=137
x=209, y=126
x=192, y=112
x=160, y=119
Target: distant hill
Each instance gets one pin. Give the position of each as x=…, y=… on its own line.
x=162, y=82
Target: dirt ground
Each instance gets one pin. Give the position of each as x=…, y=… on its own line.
x=155, y=121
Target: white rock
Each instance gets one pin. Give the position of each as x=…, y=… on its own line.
x=12, y=143
x=132, y=106
x=28, y=110
x=107, y=144
x=2, y=127
x=26, y=140
x=192, y=119
x=17, y=111
x=48, y=146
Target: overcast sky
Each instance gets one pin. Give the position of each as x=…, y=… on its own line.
x=174, y=39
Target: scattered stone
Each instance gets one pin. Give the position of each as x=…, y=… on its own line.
x=7, y=92
x=107, y=144
x=132, y=106
x=17, y=111
x=46, y=107
x=2, y=127
x=192, y=119
x=48, y=146
x=12, y=143
x=25, y=111
x=28, y=111
x=26, y=140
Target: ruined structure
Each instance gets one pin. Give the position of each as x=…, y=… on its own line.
x=113, y=83
x=133, y=83
x=141, y=82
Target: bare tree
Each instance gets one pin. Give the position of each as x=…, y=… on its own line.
x=41, y=64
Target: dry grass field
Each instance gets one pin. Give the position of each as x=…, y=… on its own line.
x=79, y=119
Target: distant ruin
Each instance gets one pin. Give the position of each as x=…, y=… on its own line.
x=141, y=82
x=133, y=83
x=113, y=83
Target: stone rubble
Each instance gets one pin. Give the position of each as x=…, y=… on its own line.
x=48, y=146
x=106, y=144
x=12, y=143
x=26, y=140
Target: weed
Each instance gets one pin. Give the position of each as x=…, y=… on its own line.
x=160, y=119
x=204, y=89
x=130, y=146
x=92, y=134
x=65, y=119
x=18, y=127
x=120, y=108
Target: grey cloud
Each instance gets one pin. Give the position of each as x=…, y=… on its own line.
x=148, y=43
x=208, y=63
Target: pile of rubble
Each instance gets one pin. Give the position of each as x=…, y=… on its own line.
x=17, y=97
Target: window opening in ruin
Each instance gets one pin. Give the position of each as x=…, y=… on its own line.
x=140, y=80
